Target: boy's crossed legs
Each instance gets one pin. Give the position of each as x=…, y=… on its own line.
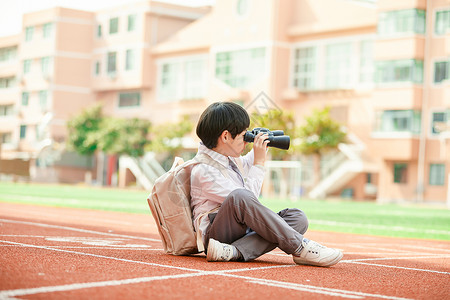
x=241, y=211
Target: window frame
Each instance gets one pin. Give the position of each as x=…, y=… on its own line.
x=436, y=177
x=29, y=32
x=400, y=173
x=173, y=78
x=130, y=93
x=240, y=68
x=401, y=22
x=132, y=22
x=113, y=25
x=446, y=27
x=386, y=119
x=111, y=63
x=446, y=78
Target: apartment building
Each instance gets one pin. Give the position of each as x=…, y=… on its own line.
x=382, y=66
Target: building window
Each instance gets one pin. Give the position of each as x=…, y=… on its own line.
x=399, y=71
x=45, y=65
x=401, y=22
x=130, y=60
x=194, y=79
x=29, y=33
x=183, y=79
x=47, y=30
x=26, y=66
x=240, y=68
x=338, y=69
x=43, y=95
x=25, y=98
x=345, y=65
x=398, y=121
x=437, y=174
x=99, y=31
x=305, y=66
x=23, y=131
x=400, y=172
x=7, y=82
x=6, y=137
x=366, y=65
x=113, y=25
x=111, y=70
x=242, y=7
x=169, y=81
x=132, y=22
x=441, y=71
x=8, y=54
x=439, y=121
x=6, y=110
x=442, y=25
x=97, y=68
x=129, y=99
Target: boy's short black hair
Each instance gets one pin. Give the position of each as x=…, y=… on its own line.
x=221, y=116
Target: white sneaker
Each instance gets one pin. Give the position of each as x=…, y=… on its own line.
x=314, y=254
x=218, y=251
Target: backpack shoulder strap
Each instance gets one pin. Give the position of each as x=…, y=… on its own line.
x=206, y=159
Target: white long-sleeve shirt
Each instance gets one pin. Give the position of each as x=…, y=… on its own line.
x=209, y=187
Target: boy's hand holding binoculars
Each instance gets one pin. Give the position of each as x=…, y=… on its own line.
x=260, y=148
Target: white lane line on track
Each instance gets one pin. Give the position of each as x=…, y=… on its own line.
x=397, y=267
x=320, y=290
x=431, y=256
x=280, y=284
x=222, y=273
x=79, y=230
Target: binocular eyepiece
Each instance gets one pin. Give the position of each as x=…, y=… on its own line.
x=276, y=138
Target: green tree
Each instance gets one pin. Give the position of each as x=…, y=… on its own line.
x=166, y=138
x=82, y=127
x=320, y=133
x=123, y=136
x=91, y=131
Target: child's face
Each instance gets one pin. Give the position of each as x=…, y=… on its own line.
x=237, y=145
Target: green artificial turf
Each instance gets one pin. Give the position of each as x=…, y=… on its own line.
x=329, y=215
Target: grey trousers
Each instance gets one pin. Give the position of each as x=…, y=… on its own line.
x=254, y=229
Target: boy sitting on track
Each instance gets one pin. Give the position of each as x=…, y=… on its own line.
x=234, y=225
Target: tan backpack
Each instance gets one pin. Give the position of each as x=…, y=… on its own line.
x=169, y=203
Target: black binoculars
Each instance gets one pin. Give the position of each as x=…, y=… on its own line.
x=276, y=138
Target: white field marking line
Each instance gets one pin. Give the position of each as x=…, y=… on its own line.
x=348, y=253
x=79, y=230
x=102, y=248
x=153, y=264
x=383, y=227
x=86, y=285
x=93, y=241
x=393, y=249
x=431, y=256
x=280, y=284
x=319, y=290
x=427, y=248
x=140, y=262
x=397, y=267
x=95, y=255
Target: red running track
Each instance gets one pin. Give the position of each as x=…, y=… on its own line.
x=61, y=253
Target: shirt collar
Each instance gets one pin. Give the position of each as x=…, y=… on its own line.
x=220, y=158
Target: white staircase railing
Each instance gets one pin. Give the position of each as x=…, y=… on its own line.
x=340, y=169
x=145, y=169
